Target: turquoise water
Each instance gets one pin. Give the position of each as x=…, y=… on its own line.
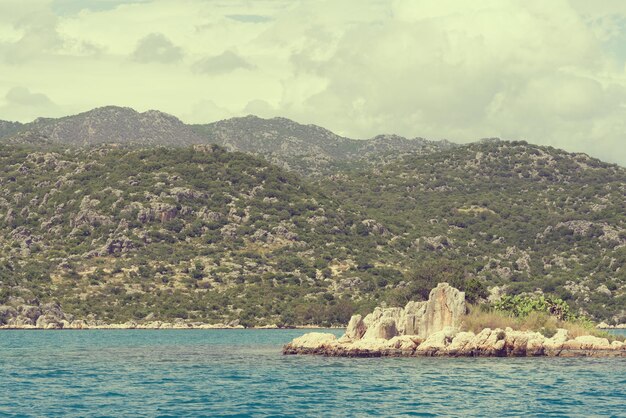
x=241, y=373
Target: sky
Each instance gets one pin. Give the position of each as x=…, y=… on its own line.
x=548, y=72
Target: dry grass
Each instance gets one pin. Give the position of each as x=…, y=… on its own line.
x=478, y=319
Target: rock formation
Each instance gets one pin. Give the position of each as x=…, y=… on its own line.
x=444, y=308
x=431, y=328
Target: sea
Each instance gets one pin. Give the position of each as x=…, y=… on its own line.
x=239, y=373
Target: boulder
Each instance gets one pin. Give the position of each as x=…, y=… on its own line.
x=556, y=341
x=384, y=328
x=30, y=311
x=445, y=307
x=589, y=342
x=489, y=342
x=412, y=319
x=7, y=313
x=438, y=341
x=461, y=344
x=404, y=342
x=49, y=322
x=314, y=340
x=356, y=328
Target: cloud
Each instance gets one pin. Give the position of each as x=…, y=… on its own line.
x=260, y=108
x=22, y=104
x=69, y=7
x=221, y=64
x=156, y=47
x=250, y=18
x=37, y=35
x=21, y=96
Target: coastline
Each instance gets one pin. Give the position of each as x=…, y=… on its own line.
x=154, y=326
x=433, y=328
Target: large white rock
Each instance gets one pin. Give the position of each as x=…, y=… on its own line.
x=438, y=340
x=444, y=308
x=356, y=328
x=384, y=328
x=589, y=342
x=314, y=340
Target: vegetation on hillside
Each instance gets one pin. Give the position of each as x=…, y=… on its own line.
x=515, y=217
x=202, y=234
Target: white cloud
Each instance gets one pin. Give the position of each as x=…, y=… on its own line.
x=22, y=104
x=156, y=47
x=223, y=63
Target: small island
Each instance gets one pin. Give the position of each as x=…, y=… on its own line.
x=443, y=326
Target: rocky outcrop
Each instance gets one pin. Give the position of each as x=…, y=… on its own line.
x=450, y=342
x=25, y=316
x=444, y=308
x=49, y=316
x=432, y=329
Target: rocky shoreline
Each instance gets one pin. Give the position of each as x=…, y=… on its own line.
x=450, y=343
x=31, y=315
x=86, y=325
x=432, y=329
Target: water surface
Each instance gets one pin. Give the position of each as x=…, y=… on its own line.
x=241, y=373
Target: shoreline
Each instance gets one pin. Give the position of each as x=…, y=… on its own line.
x=165, y=326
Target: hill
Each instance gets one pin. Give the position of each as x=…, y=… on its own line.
x=307, y=149
x=514, y=216
x=105, y=125
x=171, y=233
x=200, y=233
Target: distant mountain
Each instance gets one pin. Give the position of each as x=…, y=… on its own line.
x=105, y=125
x=8, y=128
x=308, y=148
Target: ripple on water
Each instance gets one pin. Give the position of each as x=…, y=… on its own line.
x=242, y=373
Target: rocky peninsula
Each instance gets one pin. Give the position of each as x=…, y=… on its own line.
x=433, y=328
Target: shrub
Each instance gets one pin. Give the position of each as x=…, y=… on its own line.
x=524, y=305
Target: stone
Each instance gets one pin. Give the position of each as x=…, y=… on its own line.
x=404, y=342
x=384, y=328
x=438, y=340
x=314, y=340
x=556, y=341
x=589, y=342
x=445, y=307
x=461, y=344
x=7, y=313
x=413, y=318
x=489, y=342
x=49, y=322
x=356, y=328
x=29, y=311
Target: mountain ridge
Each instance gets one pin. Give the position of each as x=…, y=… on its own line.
x=303, y=148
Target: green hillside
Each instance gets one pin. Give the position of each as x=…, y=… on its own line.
x=201, y=234
x=513, y=215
